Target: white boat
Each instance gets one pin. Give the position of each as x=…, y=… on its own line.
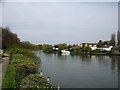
x=64, y=52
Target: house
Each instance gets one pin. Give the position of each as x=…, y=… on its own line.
x=105, y=48
x=75, y=48
x=55, y=47
x=92, y=45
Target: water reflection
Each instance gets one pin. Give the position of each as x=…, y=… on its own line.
x=85, y=58
x=81, y=71
x=114, y=62
x=62, y=57
x=102, y=59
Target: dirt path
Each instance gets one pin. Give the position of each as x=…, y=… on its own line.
x=3, y=68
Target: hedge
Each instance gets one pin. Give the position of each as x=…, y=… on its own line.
x=24, y=52
x=23, y=66
x=19, y=67
x=9, y=78
x=36, y=81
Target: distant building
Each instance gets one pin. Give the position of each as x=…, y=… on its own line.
x=75, y=48
x=92, y=45
x=55, y=47
x=105, y=48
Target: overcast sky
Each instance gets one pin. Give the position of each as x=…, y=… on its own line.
x=70, y=22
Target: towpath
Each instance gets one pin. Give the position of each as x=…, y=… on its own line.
x=3, y=68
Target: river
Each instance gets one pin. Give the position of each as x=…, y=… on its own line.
x=80, y=71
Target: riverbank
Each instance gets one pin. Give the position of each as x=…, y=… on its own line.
x=97, y=53
x=22, y=71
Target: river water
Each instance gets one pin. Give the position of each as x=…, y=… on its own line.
x=80, y=71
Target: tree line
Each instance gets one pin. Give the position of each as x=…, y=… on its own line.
x=10, y=39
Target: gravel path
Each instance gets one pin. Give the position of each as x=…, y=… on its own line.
x=3, y=68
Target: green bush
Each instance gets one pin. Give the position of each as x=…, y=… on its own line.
x=19, y=58
x=36, y=81
x=20, y=67
x=86, y=49
x=9, y=80
x=16, y=50
x=47, y=48
x=23, y=70
x=23, y=64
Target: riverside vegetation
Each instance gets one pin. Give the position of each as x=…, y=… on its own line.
x=22, y=71
x=10, y=39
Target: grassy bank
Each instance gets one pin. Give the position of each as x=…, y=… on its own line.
x=22, y=71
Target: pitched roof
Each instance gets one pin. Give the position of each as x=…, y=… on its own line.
x=90, y=43
x=75, y=47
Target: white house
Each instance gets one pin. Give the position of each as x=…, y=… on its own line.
x=105, y=48
x=93, y=48
x=92, y=45
x=54, y=48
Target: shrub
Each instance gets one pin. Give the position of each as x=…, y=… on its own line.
x=47, y=48
x=19, y=58
x=24, y=52
x=9, y=80
x=36, y=81
x=20, y=67
x=23, y=70
x=86, y=49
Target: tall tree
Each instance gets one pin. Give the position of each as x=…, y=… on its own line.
x=62, y=46
x=47, y=48
x=100, y=43
x=0, y=37
x=118, y=37
x=8, y=38
x=26, y=45
x=112, y=41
